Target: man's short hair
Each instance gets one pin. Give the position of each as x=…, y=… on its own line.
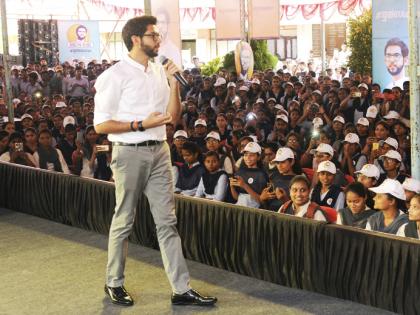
x=397, y=42
x=136, y=26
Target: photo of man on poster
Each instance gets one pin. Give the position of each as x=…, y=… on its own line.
x=396, y=58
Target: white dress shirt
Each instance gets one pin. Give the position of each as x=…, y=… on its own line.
x=126, y=92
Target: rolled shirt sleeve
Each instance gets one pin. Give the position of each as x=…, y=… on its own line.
x=107, y=97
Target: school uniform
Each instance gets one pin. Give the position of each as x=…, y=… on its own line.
x=333, y=198
x=187, y=178
x=347, y=217
x=257, y=179
x=376, y=223
x=213, y=185
x=409, y=230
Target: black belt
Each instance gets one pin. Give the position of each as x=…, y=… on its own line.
x=140, y=144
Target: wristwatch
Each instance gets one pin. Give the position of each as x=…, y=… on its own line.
x=140, y=126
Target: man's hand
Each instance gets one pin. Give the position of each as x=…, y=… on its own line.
x=157, y=119
x=170, y=69
x=267, y=195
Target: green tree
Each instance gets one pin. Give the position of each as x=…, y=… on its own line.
x=360, y=43
x=263, y=59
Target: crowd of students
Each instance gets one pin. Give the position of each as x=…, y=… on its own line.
x=307, y=145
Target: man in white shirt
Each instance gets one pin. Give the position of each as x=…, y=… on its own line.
x=133, y=104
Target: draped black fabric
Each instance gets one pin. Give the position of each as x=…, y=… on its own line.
x=366, y=267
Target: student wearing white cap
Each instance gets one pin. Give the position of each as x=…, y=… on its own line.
x=362, y=127
x=411, y=187
x=325, y=193
x=357, y=212
x=352, y=159
x=250, y=180
x=389, y=200
x=180, y=137
x=213, y=144
x=200, y=132
x=368, y=176
x=338, y=128
x=280, y=130
x=392, y=161
x=278, y=192
x=325, y=152
x=412, y=228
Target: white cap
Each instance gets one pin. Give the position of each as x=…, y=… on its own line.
x=252, y=147
x=369, y=170
x=259, y=100
x=392, y=114
x=363, y=121
x=181, y=133
x=372, y=112
x=254, y=138
x=317, y=92
x=24, y=116
x=392, y=142
x=289, y=83
x=271, y=99
x=327, y=166
x=16, y=101
x=236, y=98
x=214, y=135
x=392, y=154
x=363, y=85
x=255, y=81
x=69, y=120
x=324, y=148
x=231, y=84
x=352, y=138
x=412, y=184
x=317, y=122
x=278, y=106
x=220, y=81
x=390, y=186
x=283, y=117
x=60, y=105
x=244, y=88
x=201, y=122
x=283, y=154
x=339, y=119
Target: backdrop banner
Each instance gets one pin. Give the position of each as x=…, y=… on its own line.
x=228, y=19
x=264, y=19
x=167, y=14
x=78, y=40
x=390, y=52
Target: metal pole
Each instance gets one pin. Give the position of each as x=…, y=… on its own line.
x=414, y=89
x=322, y=45
x=147, y=7
x=8, y=94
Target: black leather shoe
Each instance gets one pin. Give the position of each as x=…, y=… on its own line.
x=192, y=297
x=119, y=296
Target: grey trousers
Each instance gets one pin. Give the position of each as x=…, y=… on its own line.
x=136, y=170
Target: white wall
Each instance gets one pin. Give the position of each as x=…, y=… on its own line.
x=304, y=40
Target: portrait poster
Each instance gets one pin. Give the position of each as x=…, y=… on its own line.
x=390, y=44
x=264, y=19
x=168, y=23
x=78, y=40
x=244, y=60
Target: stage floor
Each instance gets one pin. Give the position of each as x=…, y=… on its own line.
x=50, y=268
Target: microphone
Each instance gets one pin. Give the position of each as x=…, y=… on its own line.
x=178, y=76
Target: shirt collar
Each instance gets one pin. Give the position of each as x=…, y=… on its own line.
x=137, y=65
x=303, y=208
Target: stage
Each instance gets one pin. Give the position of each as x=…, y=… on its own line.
x=51, y=268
